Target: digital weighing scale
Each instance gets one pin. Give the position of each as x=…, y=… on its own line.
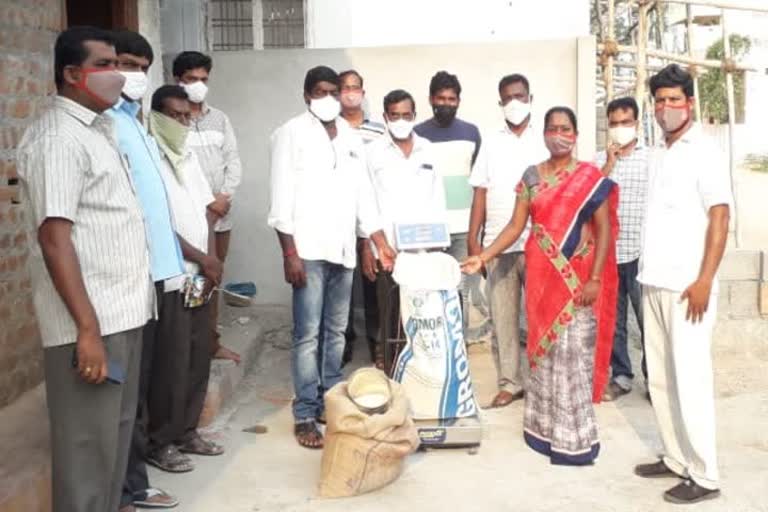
x=439, y=432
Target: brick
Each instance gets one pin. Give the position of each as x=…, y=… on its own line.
x=740, y=264
x=743, y=299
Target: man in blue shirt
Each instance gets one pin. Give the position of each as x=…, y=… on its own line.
x=141, y=153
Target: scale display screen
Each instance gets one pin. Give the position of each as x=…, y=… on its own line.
x=425, y=235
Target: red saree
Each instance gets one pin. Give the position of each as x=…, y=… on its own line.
x=559, y=255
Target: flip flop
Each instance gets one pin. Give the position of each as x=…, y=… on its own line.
x=308, y=435
x=143, y=499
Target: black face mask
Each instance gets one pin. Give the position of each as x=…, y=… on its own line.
x=444, y=114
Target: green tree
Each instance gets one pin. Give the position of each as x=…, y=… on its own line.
x=712, y=91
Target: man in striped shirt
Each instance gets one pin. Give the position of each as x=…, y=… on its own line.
x=351, y=97
x=91, y=273
x=213, y=140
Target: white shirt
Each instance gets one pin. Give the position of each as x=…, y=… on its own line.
x=503, y=159
x=684, y=182
x=189, y=194
x=320, y=190
x=408, y=190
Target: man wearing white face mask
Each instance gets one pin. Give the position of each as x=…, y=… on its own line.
x=135, y=56
x=213, y=140
x=503, y=158
x=626, y=162
x=321, y=202
x=408, y=188
x=91, y=273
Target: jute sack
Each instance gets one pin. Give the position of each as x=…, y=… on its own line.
x=363, y=452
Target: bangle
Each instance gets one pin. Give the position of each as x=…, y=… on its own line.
x=289, y=253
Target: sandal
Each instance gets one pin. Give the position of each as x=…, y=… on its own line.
x=196, y=445
x=308, y=435
x=503, y=398
x=154, y=498
x=171, y=460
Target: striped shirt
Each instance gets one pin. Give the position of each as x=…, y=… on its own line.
x=70, y=167
x=631, y=175
x=455, y=148
x=370, y=130
x=213, y=140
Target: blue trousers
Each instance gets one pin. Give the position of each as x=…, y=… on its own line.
x=630, y=292
x=320, y=314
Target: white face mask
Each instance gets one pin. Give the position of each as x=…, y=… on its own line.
x=622, y=135
x=326, y=108
x=400, y=129
x=136, y=83
x=197, y=91
x=516, y=111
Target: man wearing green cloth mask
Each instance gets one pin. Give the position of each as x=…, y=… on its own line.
x=188, y=195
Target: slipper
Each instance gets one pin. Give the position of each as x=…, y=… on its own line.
x=308, y=435
x=199, y=446
x=504, y=398
x=148, y=498
x=169, y=459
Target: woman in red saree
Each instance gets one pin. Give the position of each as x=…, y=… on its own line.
x=570, y=291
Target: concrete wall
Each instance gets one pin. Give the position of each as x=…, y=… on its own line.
x=149, y=27
x=262, y=89
x=27, y=33
x=357, y=23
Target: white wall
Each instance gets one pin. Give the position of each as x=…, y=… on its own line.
x=361, y=23
x=149, y=27
x=260, y=90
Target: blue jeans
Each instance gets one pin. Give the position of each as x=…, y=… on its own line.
x=320, y=313
x=629, y=292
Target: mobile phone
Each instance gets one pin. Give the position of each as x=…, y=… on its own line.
x=115, y=373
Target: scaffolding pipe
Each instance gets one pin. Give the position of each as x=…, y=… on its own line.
x=642, y=60
x=689, y=39
x=739, y=5
x=708, y=63
x=731, y=126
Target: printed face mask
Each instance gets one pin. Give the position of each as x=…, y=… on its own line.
x=326, y=108
x=559, y=144
x=516, y=111
x=444, y=114
x=103, y=85
x=671, y=118
x=351, y=99
x=400, y=129
x=197, y=91
x=136, y=84
x=622, y=135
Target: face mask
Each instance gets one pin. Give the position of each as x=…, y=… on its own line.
x=560, y=144
x=444, y=114
x=516, y=112
x=351, y=99
x=170, y=135
x=136, y=83
x=103, y=85
x=400, y=129
x=197, y=91
x=672, y=119
x=622, y=135
x=326, y=108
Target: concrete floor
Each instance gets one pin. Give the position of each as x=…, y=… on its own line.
x=270, y=472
